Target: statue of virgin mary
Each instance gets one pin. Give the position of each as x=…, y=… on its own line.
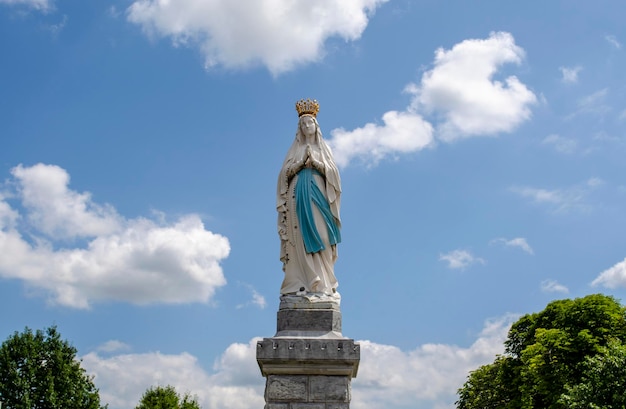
x=308, y=201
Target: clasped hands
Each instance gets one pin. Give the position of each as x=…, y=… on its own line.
x=309, y=162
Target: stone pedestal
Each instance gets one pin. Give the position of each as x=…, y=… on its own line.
x=308, y=363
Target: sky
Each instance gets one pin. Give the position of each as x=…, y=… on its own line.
x=481, y=148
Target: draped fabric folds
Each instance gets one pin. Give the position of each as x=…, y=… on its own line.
x=308, y=194
x=308, y=201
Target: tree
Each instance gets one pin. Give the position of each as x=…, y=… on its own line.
x=40, y=371
x=475, y=394
x=166, y=398
x=603, y=381
x=550, y=356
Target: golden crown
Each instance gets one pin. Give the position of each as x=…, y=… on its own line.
x=307, y=107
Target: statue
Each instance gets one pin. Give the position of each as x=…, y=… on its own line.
x=308, y=201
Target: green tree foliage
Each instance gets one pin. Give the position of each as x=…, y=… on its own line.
x=40, y=371
x=554, y=358
x=166, y=398
x=603, y=382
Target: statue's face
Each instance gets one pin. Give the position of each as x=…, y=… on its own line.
x=307, y=125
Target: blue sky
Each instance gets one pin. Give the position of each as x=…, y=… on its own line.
x=481, y=152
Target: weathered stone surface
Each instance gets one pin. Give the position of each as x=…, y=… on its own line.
x=277, y=406
x=308, y=406
x=310, y=356
x=327, y=320
x=308, y=364
x=329, y=389
x=309, y=301
x=285, y=388
x=337, y=406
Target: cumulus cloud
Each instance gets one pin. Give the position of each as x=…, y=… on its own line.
x=279, y=34
x=561, y=144
x=8, y=216
x=427, y=376
x=573, y=198
x=460, y=259
x=236, y=383
x=613, y=277
x=552, y=286
x=58, y=211
x=570, y=74
x=401, y=132
x=459, y=93
x=138, y=260
x=42, y=5
x=461, y=87
x=516, y=242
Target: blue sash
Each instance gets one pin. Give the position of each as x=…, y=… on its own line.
x=307, y=194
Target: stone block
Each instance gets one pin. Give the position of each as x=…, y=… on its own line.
x=277, y=406
x=308, y=356
x=320, y=321
x=308, y=406
x=329, y=389
x=308, y=302
x=337, y=406
x=286, y=388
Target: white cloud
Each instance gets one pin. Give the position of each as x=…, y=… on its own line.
x=564, y=199
x=611, y=39
x=114, y=12
x=461, y=87
x=55, y=29
x=540, y=195
x=236, y=383
x=552, y=286
x=257, y=298
x=592, y=104
x=42, y=5
x=280, y=34
x=594, y=182
x=560, y=143
x=8, y=216
x=139, y=260
x=459, y=259
x=58, y=211
x=570, y=74
x=113, y=346
x=459, y=92
x=427, y=376
x=401, y=132
x=613, y=277
x=516, y=242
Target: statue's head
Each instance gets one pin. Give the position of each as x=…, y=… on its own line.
x=308, y=125
x=307, y=122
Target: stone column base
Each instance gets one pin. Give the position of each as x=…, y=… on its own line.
x=307, y=392
x=308, y=363
x=308, y=373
